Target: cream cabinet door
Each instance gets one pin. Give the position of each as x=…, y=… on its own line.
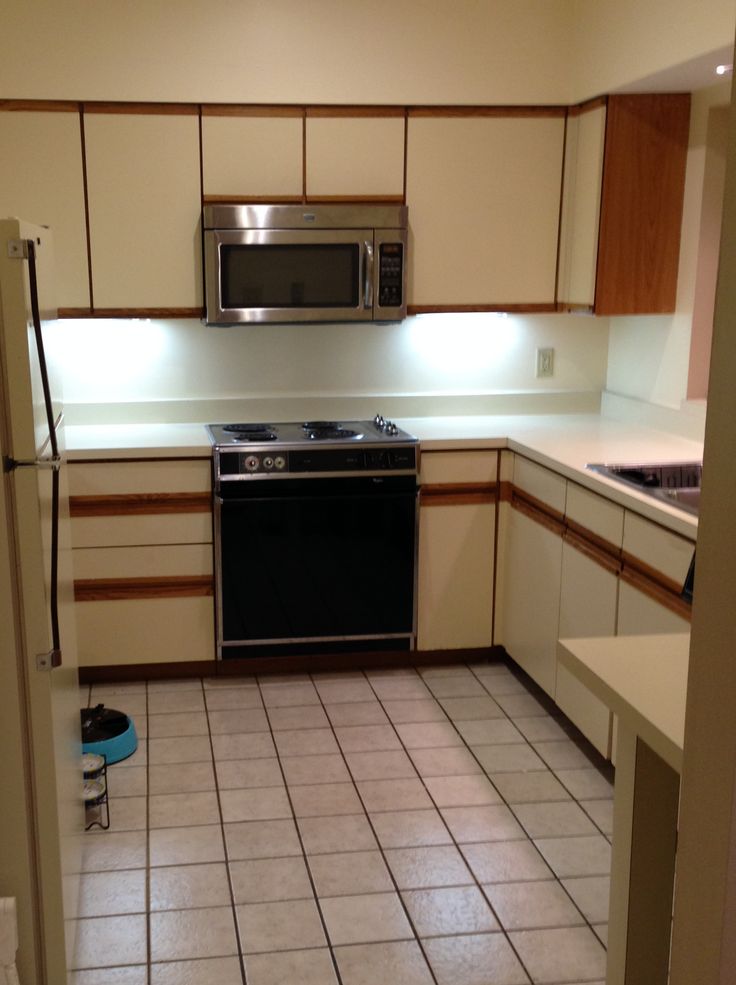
x=355, y=157
x=41, y=180
x=456, y=549
x=639, y=614
x=249, y=156
x=584, y=145
x=588, y=600
x=144, y=210
x=531, y=597
x=484, y=201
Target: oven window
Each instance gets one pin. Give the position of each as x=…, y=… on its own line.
x=318, y=566
x=311, y=275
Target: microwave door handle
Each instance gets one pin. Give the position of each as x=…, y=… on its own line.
x=368, y=275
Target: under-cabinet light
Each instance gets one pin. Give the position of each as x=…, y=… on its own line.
x=724, y=69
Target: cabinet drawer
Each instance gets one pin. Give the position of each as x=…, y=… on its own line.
x=145, y=631
x=596, y=514
x=114, y=478
x=458, y=466
x=130, y=531
x=664, y=552
x=147, y=561
x=544, y=485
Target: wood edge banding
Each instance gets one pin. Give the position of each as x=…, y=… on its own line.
x=587, y=106
x=543, y=307
x=142, y=109
x=252, y=199
x=609, y=561
x=487, y=111
x=256, y=110
x=120, y=589
x=670, y=600
x=139, y=504
x=521, y=496
x=643, y=570
x=457, y=493
x=39, y=106
x=343, y=112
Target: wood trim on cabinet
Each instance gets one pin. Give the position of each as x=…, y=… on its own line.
x=543, y=307
x=598, y=542
x=142, y=109
x=121, y=589
x=526, y=506
x=457, y=493
x=140, y=504
x=642, y=196
x=492, y=111
x=131, y=313
x=506, y=489
x=242, y=109
x=643, y=570
x=92, y=460
x=520, y=495
x=88, y=236
x=38, y=106
x=657, y=592
x=252, y=199
x=587, y=106
x=356, y=199
x=604, y=559
x=331, y=112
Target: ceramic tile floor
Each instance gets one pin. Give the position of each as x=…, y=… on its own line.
x=440, y=826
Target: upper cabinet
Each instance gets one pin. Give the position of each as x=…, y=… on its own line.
x=41, y=180
x=355, y=153
x=625, y=163
x=143, y=184
x=252, y=153
x=483, y=190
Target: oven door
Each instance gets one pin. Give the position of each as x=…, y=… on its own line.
x=288, y=275
x=315, y=560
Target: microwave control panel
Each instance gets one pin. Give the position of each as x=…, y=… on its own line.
x=390, y=275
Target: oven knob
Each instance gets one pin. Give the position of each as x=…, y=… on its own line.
x=279, y=462
x=251, y=463
x=391, y=428
x=268, y=462
x=379, y=422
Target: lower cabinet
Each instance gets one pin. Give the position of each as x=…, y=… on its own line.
x=588, y=600
x=531, y=596
x=638, y=614
x=143, y=583
x=457, y=523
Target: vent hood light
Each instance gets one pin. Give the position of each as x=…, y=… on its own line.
x=724, y=69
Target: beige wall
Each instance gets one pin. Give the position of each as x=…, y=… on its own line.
x=321, y=51
x=326, y=51
x=619, y=42
x=705, y=904
x=649, y=357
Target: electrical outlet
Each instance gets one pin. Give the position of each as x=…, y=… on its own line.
x=545, y=362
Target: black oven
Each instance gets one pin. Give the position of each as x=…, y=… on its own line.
x=317, y=554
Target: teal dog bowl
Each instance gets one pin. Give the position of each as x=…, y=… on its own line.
x=108, y=733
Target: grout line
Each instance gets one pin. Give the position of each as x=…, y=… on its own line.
x=147, y=899
x=398, y=892
x=233, y=908
x=301, y=843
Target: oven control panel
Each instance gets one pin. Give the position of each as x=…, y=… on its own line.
x=257, y=464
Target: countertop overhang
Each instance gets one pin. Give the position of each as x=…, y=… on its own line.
x=565, y=443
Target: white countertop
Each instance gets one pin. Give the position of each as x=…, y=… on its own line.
x=563, y=442
x=643, y=679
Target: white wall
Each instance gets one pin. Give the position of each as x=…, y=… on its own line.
x=648, y=357
x=104, y=362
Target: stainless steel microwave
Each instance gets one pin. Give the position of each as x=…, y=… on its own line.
x=294, y=263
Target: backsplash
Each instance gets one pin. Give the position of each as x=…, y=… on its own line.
x=138, y=370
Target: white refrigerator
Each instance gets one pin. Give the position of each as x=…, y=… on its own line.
x=41, y=809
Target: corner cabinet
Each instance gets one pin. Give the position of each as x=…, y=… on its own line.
x=483, y=190
x=625, y=161
x=457, y=533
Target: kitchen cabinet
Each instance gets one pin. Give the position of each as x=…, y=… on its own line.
x=355, y=154
x=588, y=601
x=41, y=180
x=483, y=190
x=532, y=571
x=624, y=184
x=456, y=549
x=144, y=208
x=252, y=153
x=142, y=536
